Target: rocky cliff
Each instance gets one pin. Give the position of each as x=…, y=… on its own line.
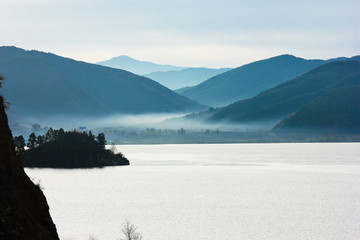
x=24, y=212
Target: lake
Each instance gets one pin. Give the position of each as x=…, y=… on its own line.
x=212, y=191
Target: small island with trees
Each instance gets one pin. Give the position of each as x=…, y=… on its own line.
x=73, y=149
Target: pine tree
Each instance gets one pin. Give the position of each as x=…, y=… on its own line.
x=19, y=142
x=101, y=139
x=32, y=140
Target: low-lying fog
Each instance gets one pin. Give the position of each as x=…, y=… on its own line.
x=140, y=121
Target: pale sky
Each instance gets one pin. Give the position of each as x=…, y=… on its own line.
x=197, y=33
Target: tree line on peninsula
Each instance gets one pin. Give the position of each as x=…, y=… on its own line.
x=67, y=149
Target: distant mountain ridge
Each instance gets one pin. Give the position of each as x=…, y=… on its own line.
x=278, y=102
x=39, y=83
x=185, y=77
x=173, y=77
x=136, y=66
x=251, y=79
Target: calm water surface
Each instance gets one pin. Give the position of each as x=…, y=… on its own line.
x=217, y=191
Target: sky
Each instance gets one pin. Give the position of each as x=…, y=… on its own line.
x=202, y=33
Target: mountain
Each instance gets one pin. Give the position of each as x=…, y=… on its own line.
x=181, y=90
x=173, y=77
x=278, y=102
x=354, y=58
x=185, y=77
x=39, y=83
x=34, y=86
x=248, y=80
x=135, y=66
x=335, y=111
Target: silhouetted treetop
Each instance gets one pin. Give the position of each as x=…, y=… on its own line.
x=32, y=140
x=1, y=78
x=19, y=142
x=101, y=139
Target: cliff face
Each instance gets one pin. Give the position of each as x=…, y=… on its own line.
x=24, y=212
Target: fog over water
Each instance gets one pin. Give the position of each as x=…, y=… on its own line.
x=227, y=191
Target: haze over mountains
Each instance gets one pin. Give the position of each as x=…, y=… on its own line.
x=325, y=85
x=39, y=83
x=284, y=90
x=249, y=80
x=185, y=77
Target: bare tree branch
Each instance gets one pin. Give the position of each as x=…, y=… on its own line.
x=130, y=232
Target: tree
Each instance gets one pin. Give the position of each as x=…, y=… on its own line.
x=40, y=139
x=61, y=132
x=1, y=78
x=130, y=232
x=113, y=147
x=32, y=140
x=101, y=139
x=19, y=142
x=91, y=135
x=181, y=131
x=50, y=134
x=6, y=104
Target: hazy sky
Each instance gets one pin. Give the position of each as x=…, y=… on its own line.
x=212, y=33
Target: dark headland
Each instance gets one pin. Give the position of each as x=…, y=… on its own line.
x=24, y=212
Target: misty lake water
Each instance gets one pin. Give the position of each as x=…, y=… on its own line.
x=217, y=191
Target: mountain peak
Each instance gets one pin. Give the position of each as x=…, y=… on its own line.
x=137, y=66
x=123, y=57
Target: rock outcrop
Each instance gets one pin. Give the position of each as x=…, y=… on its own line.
x=24, y=212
